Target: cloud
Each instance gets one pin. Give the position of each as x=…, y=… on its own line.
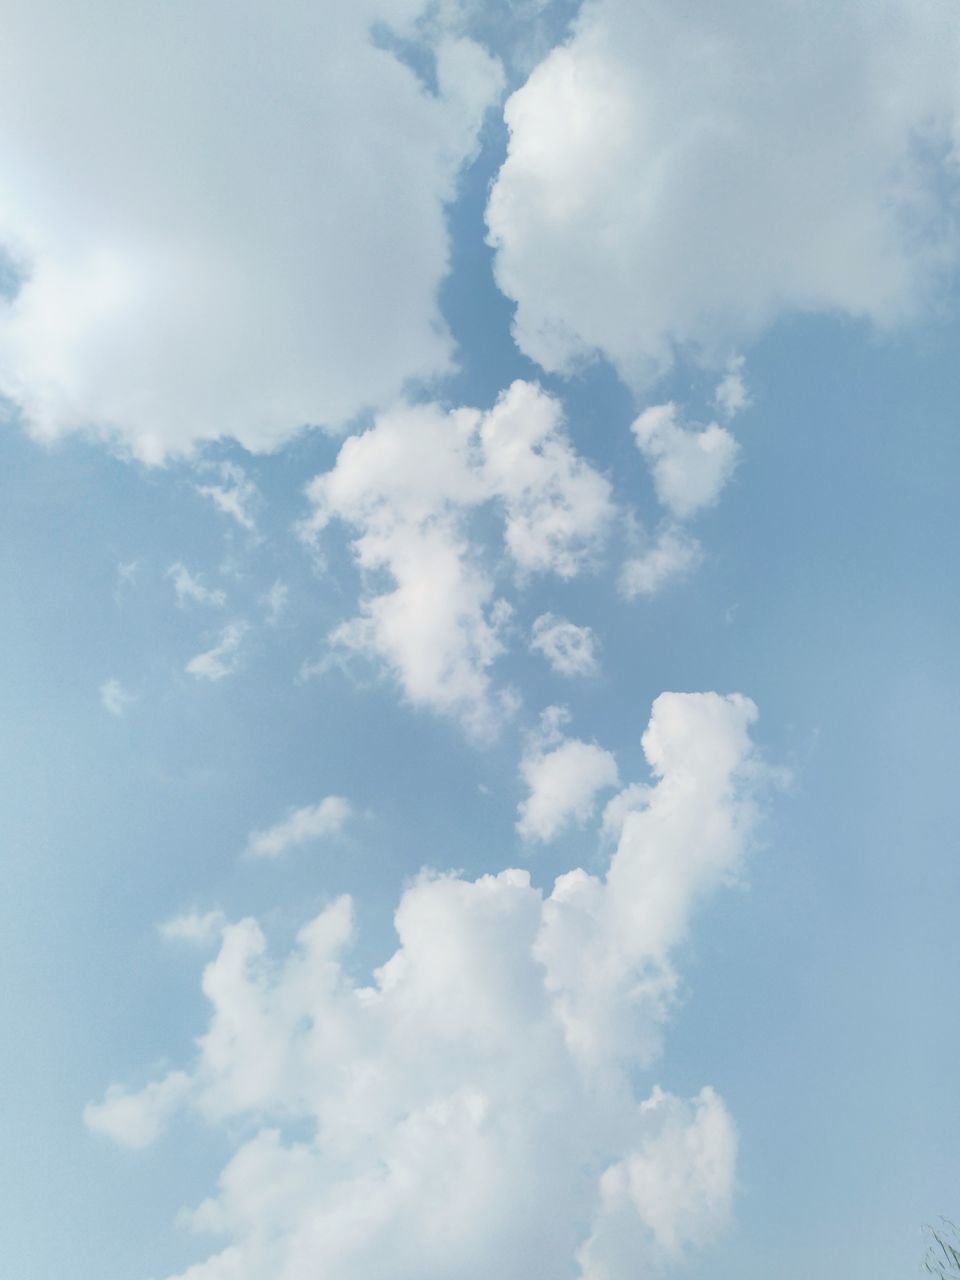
x=275, y=602
x=474, y=1106
x=731, y=394
x=674, y=182
x=193, y=927
x=570, y=650
x=115, y=698
x=312, y=822
x=222, y=660
x=674, y=1191
x=563, y=777
x=406, y=486
x=126, y=579
x=232, y=222
x=190, y=590
x=136, y=1119
x=236, y=496
x=689, y=466
x=674, y=554
x=556, y=506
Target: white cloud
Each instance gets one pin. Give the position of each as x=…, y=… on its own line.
x=401, y=486
x=190, y=590
x=237, y=496
x=570, y=650
x=406, y=486
x=115, y=698
x=233, y=220
x=485, y=1079
x=199, y=929
x=673, y=1192
x=689, y=466
x=731, y=394
x=137, y=1119
x=677, y=182
x=223, y=658
x=556, y=506
x=563, y=777
x=674, y=554
x=312, y=822
x=439, y=631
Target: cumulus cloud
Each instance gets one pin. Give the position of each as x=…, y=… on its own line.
x=674, y=181
x=231, y=220
x=690, y=466
x=672, y=555
x=222, y=660
x=672, y=1192
x=312, y=822
x=474, y=1106
x=190, y=590
x=406, y=486
x=556, y=507
x=115, y=698
x=571, y=650
x=563, y=777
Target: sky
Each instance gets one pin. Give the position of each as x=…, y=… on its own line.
x=478, y=781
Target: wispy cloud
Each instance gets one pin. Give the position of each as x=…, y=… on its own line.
x=127, y=572
x=190, y=590
x=275, y=602
x=235, y=496
x=301, y=826
x=224, y=658
x=115, y=698
x=194, y=927
x=673, y=555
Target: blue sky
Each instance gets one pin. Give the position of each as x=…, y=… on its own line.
x=618, y=215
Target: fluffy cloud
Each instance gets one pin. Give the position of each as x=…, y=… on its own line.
x=473, y=1108
x=312, y=822
x=563, y=777
x=678, y=179
x=570, y=650
x=690, y=466
x=230, y=221
x=673, y=554
x=672, y=1192
x=222, y=660
x=556, y=506
x=406, y=487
